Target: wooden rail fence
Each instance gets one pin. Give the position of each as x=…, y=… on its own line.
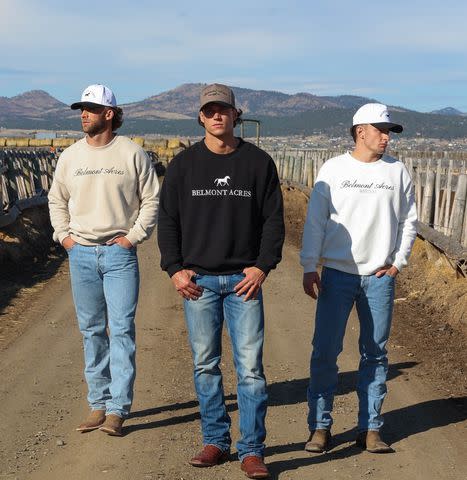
x=440, y=180
x=25, y=179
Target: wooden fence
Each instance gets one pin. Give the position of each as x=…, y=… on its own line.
x=25, y=179
x=440, y=180
x=440, y=186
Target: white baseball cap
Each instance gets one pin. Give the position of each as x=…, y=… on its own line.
x=377, y=115
x=95, y=96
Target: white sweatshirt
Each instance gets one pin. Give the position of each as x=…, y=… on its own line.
x=99, y=193
x=361, y=216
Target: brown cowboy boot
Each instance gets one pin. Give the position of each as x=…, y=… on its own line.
x=254, y=467
x=371, y=442
x=209, y=456
x=94, y=421
x=112, y=425
x=319, y=441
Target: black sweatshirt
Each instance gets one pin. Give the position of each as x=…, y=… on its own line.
x=220, y=213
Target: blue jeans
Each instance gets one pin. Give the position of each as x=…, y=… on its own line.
x=374, y=299
x=245, y=324
x=105, y=283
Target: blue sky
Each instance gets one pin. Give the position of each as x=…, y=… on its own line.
x=408, y=53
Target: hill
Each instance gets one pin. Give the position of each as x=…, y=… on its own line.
x=33, y=104
x=184, y=101
x=174, y=112
x=449, y=111
x=333, y=122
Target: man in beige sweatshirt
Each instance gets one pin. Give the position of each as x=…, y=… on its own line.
x=103, y=202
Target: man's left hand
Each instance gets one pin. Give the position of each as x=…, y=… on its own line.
x=389, y=270
x=251, y=284
x=122, y=241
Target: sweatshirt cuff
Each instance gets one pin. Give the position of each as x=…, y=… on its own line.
x=132, y=238
x=173, y=269
x=264, y=268
x=398, y=264
x=61, y=236
x=310, y=266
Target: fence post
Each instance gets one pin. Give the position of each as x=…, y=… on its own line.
x=436, y=224
x=320, y=161
x=418, y=190
x=280, y=158
x=301, y=172
x=285, y=174
x=10, y=176
x=36, y=172
x=427, y=206
x=447, y=210
x=310, y=178
x=297, y=168
x=458, y=208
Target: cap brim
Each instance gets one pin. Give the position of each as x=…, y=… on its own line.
x=77, y=105
x=225, y=104
x=392, y=127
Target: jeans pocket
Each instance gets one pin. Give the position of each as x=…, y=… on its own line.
x=240, y=275
x=196, y=277
x=121, y=247
x=324, y=275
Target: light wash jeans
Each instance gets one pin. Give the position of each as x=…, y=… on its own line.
x=245, y=324
x=105, y=284
x=374, y=299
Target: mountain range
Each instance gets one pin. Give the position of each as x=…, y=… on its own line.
x=173, y=112
x=449, y=111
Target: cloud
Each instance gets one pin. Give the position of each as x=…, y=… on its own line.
x=14, y=72
x=227, y=49
x=322, y=47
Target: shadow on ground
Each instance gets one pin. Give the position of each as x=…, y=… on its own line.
x=294, y=391
x=28, y=255
x=14, y=278
x=404, y=422
x=401, y=423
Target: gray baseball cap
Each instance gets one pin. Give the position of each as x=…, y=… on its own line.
x=217, y=93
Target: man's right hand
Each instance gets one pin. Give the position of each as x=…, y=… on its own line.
x=185, y=287
x=310, y=280
x=68, y=243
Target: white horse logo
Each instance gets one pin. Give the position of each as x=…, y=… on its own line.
x=222, y=182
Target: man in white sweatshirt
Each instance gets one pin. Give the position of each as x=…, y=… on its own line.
x=103, y=202
x=360, y=225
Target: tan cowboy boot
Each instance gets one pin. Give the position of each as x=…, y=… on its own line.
x=94, y=421
x=371, y=441
x=112, y=425
x=318, y=441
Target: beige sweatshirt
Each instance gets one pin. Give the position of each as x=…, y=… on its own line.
x=99, y=193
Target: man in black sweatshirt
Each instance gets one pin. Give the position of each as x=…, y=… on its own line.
x=220, y=232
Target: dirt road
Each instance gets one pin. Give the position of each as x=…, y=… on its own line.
x=42, y=396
